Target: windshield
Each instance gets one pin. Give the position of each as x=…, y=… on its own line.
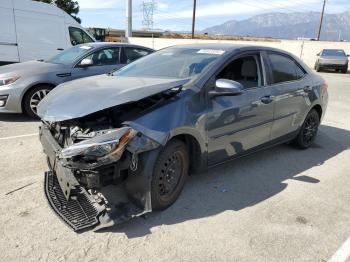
x=70, y=55
x=172, y=63
x=333, y=52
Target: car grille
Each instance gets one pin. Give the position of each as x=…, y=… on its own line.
x=79, y=212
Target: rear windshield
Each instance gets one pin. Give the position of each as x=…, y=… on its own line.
x=333, y=52
x=70, y=55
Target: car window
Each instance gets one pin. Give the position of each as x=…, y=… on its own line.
x=78, y=36
x=107, y=56
x=132, y=53
x=245, y=70
x=284, y=69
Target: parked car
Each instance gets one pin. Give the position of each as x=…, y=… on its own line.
x=123, y=144
x=332, y=59
x=24, y=85
x=33, y=30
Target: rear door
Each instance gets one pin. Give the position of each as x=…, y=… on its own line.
x=104, y=61
x=290, y=87
x=8, y=39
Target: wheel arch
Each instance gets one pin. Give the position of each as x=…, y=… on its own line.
x=196, y=154
x=319, y=110
x=31, y=87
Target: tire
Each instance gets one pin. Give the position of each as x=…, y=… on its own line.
x=32, y=99
x=344, y=70
x=170, y=174
x=308, y=130
x=318, y=68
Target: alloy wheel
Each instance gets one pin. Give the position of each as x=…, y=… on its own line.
x=36, y=99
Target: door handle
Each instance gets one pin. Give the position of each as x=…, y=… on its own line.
x=60, y=49
x=266, y=99
x=307, y=88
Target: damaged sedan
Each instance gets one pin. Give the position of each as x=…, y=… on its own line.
x=122, y=145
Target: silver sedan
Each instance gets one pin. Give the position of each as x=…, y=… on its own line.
x=24, y=85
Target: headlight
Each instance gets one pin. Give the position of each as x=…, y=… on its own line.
x=101, y=145
x=8, y=80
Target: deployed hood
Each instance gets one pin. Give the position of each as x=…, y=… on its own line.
x=29, y=68
x=92, y=94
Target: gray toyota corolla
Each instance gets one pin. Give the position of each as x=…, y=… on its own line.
x=121, y=145
x=24, y=85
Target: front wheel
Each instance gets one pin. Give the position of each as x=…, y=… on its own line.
x=308, y=130
x=32, y=99
x=170, y=173
x=318, y=68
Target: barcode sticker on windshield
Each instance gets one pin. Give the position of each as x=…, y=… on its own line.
x=211, y=51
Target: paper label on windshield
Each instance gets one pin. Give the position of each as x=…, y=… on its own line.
x=85, y=47
x=211, y=51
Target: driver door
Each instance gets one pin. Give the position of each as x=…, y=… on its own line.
x=236, y=124
x=104, y=61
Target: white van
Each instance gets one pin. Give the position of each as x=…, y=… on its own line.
x=33, y=30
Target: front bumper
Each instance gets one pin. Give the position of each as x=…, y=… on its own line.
x=80, y=212
x=14, y=98
x=72, y=202
x=333, y=65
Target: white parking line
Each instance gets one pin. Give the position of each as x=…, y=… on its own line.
x=343, y=253
x=14, y=137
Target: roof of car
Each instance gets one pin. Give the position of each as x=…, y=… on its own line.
x=227, y=47
x=104, y=44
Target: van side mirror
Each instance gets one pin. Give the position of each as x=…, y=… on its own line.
x=226, y=87
x=86, y=62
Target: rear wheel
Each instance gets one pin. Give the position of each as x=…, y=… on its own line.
x=33, y=98
x=170, y=173
x=308, y=131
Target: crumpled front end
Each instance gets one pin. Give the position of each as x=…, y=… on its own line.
x=99, y=175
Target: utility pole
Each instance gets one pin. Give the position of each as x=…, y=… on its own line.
x=128, y=30
x=194, y=17
x=321, y=21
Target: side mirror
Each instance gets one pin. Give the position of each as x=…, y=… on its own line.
x=347, y=55
x=226, y=87
x=86, y=62
x=318, y=54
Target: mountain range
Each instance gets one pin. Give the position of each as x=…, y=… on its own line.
x=288, y=26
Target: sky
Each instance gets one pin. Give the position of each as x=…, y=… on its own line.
x=176, y=15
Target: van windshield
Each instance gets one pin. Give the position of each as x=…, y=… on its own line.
x=70, y=55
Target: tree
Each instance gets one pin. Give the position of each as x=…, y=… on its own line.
x=69, y=6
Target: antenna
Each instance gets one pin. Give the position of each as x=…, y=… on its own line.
x=148, y=11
